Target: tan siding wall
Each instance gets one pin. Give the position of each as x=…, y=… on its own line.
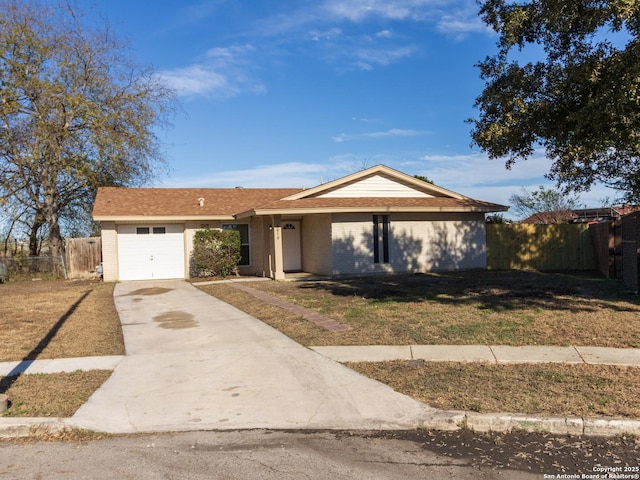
x=316, y=244
x=256, y=237
x=438, y=242
x=416, y=243
x=109, y=252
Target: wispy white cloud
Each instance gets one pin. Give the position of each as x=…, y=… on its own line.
x=196, y=80
x=333, y=24
x=368, y=58
x=460, y=22
x=394, y=132
x=384, y=34
x=223, y=72
x=349, y=34
x=282, y=175
x=331, y=34
x=360, y=10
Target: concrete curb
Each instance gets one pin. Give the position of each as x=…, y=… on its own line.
x=14, y=427
x=505, y=422
x=445, y=420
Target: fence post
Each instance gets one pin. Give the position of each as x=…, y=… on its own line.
x=64, y=267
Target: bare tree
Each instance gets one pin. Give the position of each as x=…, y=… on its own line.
x=75, y=112
x=553, y=205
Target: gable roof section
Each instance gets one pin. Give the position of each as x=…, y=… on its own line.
x=116, y=203
x=339, y=196
x=420, y=187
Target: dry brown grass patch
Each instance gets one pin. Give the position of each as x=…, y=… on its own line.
x=58, y=319
x=51, y=395
x=544, y=389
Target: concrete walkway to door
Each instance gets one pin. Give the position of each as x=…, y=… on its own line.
x=193, y=362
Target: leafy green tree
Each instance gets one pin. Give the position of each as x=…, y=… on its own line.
x=75, y=112
x=578, y=96
x=553, y=204
x=497, y=218
x=216, y=252
x=423, y=178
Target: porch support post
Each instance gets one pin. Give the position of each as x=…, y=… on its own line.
x=278, y=265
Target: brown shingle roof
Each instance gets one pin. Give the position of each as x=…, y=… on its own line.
x=183, y=202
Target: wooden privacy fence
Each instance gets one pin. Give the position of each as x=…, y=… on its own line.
x=83, y=255
x=631, y=251
x=539, y=247
x=607, y=247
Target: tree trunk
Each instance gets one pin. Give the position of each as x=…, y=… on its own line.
x=34, y=244
x=52, y=216
x=55, y=238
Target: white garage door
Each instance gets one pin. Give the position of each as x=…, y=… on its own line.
x=147, y=252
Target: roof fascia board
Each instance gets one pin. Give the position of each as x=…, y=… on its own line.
x=158, y=218
x=308, y=211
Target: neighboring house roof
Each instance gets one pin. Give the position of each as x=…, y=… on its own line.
x=585, y=215
x=563, y=216
x=375, y=189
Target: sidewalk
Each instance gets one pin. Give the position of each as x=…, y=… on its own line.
x=497, y=354
x=59, y=365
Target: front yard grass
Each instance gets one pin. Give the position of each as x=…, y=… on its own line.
x=543, y=389
x=463, y=308
x=475, y=307
x=50, y=395
x=56, y=319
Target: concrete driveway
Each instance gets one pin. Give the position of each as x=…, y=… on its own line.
x=196, y=363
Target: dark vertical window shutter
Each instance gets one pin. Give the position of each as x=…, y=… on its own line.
x=385, y=238
x=376, y=239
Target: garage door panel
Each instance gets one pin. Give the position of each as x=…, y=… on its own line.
x=149, y=252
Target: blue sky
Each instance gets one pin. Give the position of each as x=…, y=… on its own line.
x=295, y=93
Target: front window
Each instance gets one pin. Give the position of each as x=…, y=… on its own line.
x=243, y=228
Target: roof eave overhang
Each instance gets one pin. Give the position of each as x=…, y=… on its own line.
x=308, y=211
x=159, y=218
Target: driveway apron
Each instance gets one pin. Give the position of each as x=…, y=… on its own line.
x=194, y=362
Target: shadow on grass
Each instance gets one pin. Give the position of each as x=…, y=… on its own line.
x=491, y=290
x=27, y=360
